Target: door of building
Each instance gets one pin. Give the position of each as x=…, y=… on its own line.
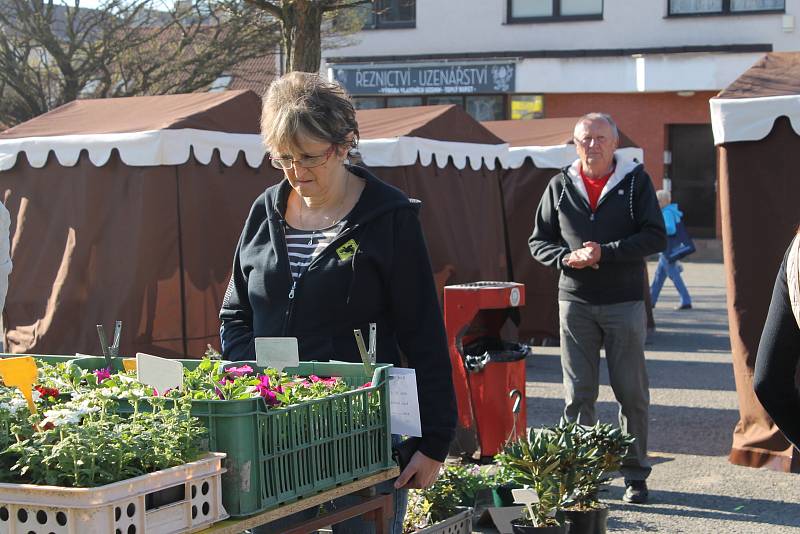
x=693, y=172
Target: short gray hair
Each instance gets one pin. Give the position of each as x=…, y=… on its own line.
x=595, y=116
x=305, y=104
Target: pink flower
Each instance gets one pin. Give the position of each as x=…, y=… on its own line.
x=102, y=374
x=366, y=385
x=314, y=378
x=329, y=381
x=239, y=371
x=219, y=393
x=226, y=380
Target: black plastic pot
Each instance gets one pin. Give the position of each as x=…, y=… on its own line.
x=518, y=528
x=587, y=522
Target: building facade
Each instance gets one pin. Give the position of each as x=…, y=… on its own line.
x=651, y=64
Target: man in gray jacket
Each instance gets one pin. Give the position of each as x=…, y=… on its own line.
x=596, y=222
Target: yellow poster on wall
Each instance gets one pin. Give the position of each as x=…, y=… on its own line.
x=527, y=107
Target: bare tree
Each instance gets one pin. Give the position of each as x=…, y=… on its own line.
x=301, y=24
x=52, y=53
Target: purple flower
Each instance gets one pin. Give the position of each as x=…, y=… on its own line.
x=102, y=374
x=270, y=398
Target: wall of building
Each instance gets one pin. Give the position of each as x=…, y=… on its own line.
x=626, y=24
x=642, y=116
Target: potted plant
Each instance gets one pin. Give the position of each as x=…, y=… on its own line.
x=535, y=461
x=599, y=450
x=447, y=503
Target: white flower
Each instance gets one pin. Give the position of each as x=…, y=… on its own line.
x=14, y=405
x=36, y=395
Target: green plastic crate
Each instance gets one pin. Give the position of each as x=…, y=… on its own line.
x=47, y=358
x=276, y=456
x=99, y=362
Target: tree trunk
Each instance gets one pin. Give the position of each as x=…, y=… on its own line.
x=303, y=46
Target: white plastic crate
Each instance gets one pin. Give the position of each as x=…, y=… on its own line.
x=186, y=498
x=460, y=523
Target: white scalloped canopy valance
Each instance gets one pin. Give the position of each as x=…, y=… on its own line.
x=751, y=119
x=174, y=147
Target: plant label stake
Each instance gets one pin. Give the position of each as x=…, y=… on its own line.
x=368, y=357
x=129, y=364
x=110, y=351
x=277, y=352
x=527, y=497
x=20, y=373
x=160, y=373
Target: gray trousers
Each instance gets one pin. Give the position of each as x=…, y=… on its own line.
x=621, y=329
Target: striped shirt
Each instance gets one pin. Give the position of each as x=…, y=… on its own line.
x=305, y=245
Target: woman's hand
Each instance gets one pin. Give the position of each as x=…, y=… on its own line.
x=421, y=472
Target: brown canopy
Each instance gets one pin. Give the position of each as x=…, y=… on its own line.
x=462, y=213
x=776, y=74
x=540, y=132
x=522, y=189
x=758, y=201
x=442, y=123
x=231, y=111
x=150, y=245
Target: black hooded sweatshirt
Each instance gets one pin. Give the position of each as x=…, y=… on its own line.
x=376, y=270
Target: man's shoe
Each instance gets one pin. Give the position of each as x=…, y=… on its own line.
x=635, y=492
x=683, y=307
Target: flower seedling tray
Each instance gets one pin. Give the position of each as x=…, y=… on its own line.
x=279, y=455
x=185, y=498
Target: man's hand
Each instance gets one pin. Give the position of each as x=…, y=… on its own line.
x=420, y=473
x=588, y=256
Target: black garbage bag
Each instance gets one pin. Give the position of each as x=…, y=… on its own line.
x=481, y=351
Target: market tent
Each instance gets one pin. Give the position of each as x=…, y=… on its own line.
x=539, y=148
x=130, y=209
x=443, y=157
x=756, y=124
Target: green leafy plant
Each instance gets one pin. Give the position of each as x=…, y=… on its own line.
x=456, y=487
x=599, y=451
x=535, y=461
x=85, y=443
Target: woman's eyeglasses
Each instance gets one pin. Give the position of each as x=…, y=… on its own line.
x=308, y=162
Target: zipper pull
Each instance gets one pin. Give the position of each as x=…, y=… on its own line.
x=291, y=291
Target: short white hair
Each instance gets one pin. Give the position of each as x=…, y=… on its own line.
x=595, y=116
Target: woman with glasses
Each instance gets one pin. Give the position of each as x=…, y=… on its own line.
x=331, y=249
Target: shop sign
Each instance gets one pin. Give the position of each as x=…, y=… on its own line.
x=446, y=78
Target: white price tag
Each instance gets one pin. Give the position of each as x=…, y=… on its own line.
x=160, y=373
x=527, y=497
x=277, y=352
x=404, y=403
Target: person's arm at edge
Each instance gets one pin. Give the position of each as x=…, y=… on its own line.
x=5, y=254
x=236, y=314
x=547, y=246
x=421, y=335
x=776, y=362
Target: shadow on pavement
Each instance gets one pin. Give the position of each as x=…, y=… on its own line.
x=673, y=429
x=699, y=375
x=705, y=506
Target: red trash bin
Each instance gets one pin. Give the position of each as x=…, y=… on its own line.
x=488, y=372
